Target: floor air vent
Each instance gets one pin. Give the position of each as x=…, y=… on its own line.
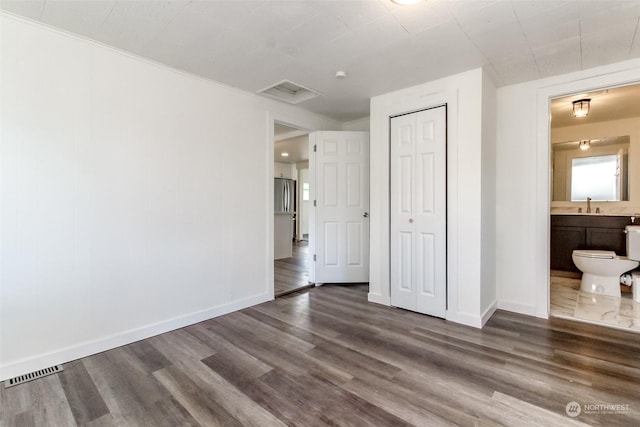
x=289, y=91
x=32, y=376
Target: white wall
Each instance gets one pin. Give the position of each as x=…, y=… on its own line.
x=488, y=302
x=284, y=170
x=463, y=94
x=523, y=190
x=357, y=125
x=117, y=218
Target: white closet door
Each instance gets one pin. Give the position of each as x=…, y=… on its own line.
x=419, y=212
x=403, y=195
x=341, y=238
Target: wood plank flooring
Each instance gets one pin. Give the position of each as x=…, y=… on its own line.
x=292, y=274
x=326, y=357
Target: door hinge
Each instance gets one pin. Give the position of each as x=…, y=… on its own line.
x=314, y=203
x=314, y=257
x=315, y=148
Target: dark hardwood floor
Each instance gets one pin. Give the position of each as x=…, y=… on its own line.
x=292, y=274
x=327, y=357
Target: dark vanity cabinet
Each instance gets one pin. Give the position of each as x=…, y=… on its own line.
x=569, y=232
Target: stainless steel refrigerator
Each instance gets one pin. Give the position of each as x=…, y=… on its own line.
x=284, y=195
x=285, y=200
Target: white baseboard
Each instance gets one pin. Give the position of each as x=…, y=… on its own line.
x=488, y=313
x=465, y=319
x=514, y=307
x=379, y=299
x=542, y=314
x=98, y=345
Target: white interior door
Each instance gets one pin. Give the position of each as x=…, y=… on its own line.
x=419, y=212
x=340, y=236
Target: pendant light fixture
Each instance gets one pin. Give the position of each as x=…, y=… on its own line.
x=581, y=107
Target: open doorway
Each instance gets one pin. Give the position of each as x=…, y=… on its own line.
x=595, y=162
x=291, y=209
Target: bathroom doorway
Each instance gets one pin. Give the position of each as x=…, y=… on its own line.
x=595, y=132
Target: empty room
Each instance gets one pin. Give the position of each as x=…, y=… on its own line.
x=319, y=212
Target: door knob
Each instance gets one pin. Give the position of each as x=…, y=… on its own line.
x=410, y=220
x=366, y=214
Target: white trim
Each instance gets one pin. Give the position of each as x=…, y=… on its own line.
x=87, y=348
x=488, y=313
x=272, y=118
x=471, y=319
x=465, y=319
x=312, y=211
x=379, y=298
x=448, y=98
x=269, y=215
x=382, y=109
x=515, y=307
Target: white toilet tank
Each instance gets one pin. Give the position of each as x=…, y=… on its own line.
x=633, y=242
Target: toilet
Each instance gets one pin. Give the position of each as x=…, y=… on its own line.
x=601, y=270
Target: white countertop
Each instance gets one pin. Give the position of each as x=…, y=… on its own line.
x=592, y=214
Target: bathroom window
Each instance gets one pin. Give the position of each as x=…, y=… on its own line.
x=596, y=177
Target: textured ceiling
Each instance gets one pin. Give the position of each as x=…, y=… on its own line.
x=251, y=44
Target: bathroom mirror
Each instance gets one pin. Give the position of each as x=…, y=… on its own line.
x=596, y=168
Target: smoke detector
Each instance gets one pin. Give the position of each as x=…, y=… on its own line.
x=290, y=92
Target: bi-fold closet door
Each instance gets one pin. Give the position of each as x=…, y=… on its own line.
x=419, y=211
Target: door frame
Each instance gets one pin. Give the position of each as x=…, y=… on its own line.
x=380, y=276
x=272, y=119
x=446, y=230
x=542, y=220
x=450, y=229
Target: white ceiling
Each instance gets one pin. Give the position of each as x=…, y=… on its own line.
x=281, y=132
x=290, y=140
x=251, y=44
x=297, y=148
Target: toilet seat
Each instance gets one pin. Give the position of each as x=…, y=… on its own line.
x=593, y=253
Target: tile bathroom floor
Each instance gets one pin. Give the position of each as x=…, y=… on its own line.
x=567, y=301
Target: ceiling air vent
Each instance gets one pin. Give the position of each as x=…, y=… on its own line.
x=290, y=92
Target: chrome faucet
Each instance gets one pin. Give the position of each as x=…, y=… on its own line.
x=588, y=204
